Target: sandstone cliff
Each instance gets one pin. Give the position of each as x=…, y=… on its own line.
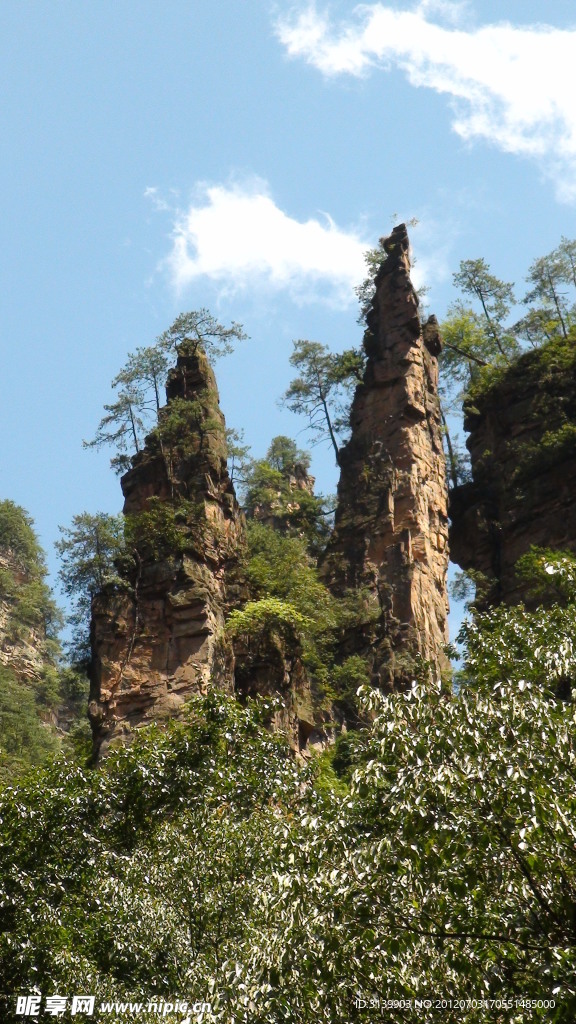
x=391, y=528
x=522, y=441
x=162, y=639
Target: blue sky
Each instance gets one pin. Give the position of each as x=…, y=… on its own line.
x=242, y=156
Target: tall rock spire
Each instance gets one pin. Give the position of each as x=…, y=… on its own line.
x=161, y=640
x=391, y=528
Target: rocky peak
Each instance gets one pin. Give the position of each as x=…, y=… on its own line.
x=391, y=527
x=162, y=640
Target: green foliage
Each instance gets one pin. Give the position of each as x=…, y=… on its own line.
x=550, y=575
x=145, y=373
x=548, y=276
x=553, y=447
x=522, y=646
x=345, y=754
x=17, y=536
x=495, y=297
x=346, y=679
x=264, y=487
x=284, y=455
x=90, y=551
x=188, y=425
x=34, y=687
x=327, y=780
x=373, y=259
x=465, y=349
x=481, y=349
x=323, y=390
x=471, y=803
x=284, y=581
x=477, y=338
x=237, y=454
x=469, y=586
x=164, y=530
x=549, y=370
x=280, y=566
x=199, y=329
x=261, y=621
x=122, y=427
x=478, y=342
x=519, y=646
x=24, y=739
x=204, y=860
x=142, y=876
x=271, y=491
x=73, y=687
x=140, y=382
x=31, y=614
x=290, y=599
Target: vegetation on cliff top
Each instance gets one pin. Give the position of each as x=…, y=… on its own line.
x=484, y=349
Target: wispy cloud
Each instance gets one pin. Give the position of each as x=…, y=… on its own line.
x=158, y=201
x=511, y=85
x=237, y=237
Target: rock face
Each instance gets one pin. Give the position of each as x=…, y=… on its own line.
x=161, y=640
x=274, y=667
x=522, y=443
x=391, y=528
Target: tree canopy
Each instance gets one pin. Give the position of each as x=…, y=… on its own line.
x=323, y=390
x=481, y=335
x=204, y=860
x=89, y=550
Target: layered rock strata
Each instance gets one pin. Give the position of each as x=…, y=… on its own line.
x=391, y=530
x=161, y=639
x=522, y=442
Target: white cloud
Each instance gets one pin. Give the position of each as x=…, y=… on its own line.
x=158, y=202
x=237, y=236
x=513, y=86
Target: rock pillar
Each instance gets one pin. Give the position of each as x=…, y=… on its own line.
x=391, y=527
x=159, y=640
